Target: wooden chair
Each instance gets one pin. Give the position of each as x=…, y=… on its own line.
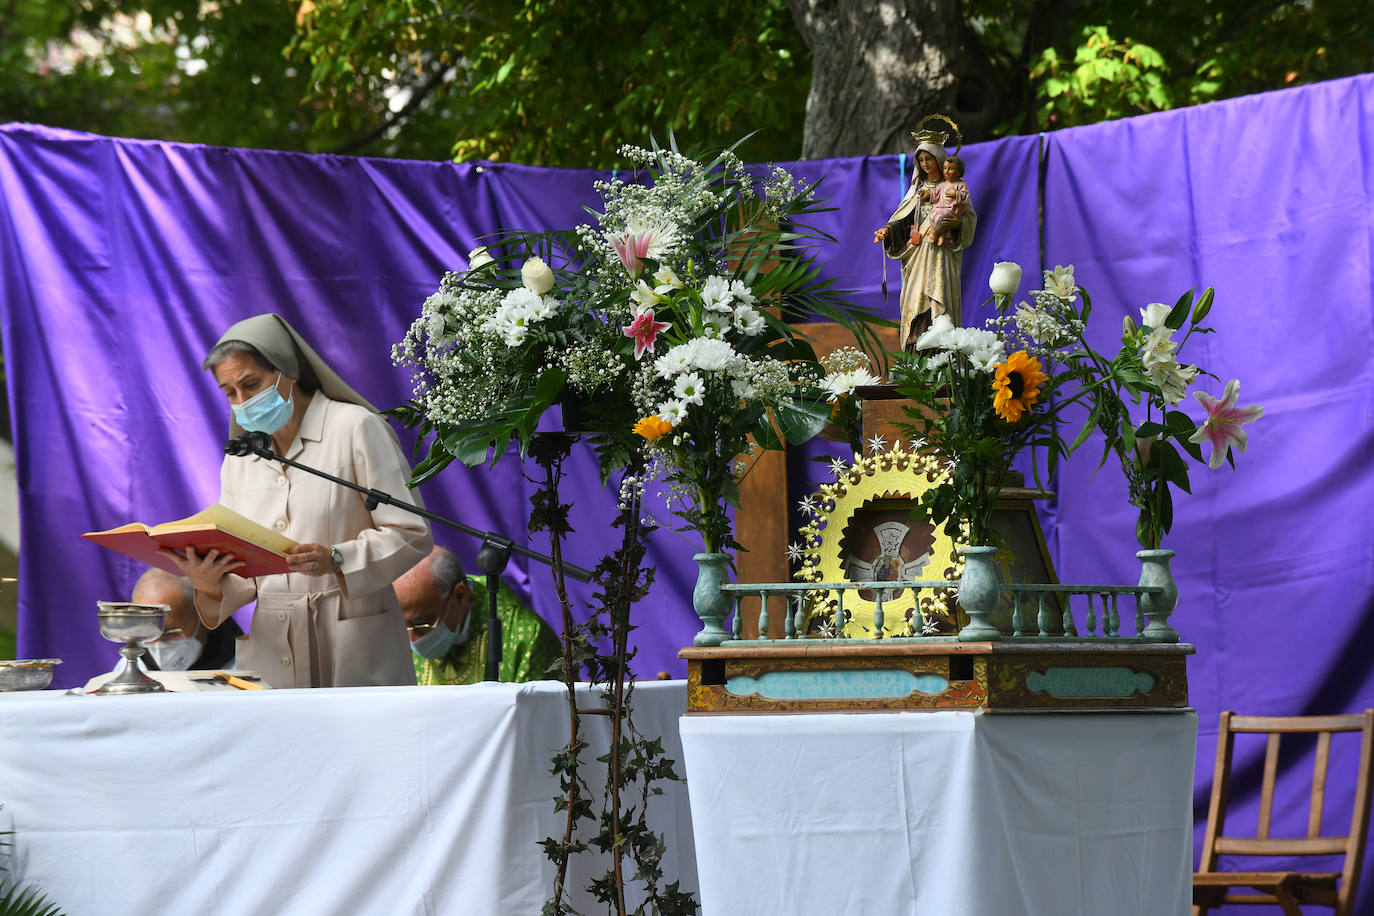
x=1287, y=889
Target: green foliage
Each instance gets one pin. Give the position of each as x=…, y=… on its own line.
x=1063, y=67
x=17, y=900
x=1106, y=79
x=563, y=84
x=158, y=69
x=635, y=764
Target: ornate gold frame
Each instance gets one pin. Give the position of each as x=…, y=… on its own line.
x=891, y=475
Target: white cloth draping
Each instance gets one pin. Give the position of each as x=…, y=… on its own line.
x=371, y=800
x=950, y=813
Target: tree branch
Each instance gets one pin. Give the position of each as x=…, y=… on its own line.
x=417, y=96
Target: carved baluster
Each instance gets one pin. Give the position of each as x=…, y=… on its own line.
x=1090, y=621
x=737, y=625
x=789, y=631
x=799, y=613
x=1016, y=613
x=1042, y=616
x=878, y=614
x=1139, y=616
x=839, y=610
x=763, y=615
x=1116, y=613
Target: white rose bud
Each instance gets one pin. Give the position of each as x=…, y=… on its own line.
x=536, y=276
x=477, y=257
x=1006, y=278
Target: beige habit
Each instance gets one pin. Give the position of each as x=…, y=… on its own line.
x=336, y=630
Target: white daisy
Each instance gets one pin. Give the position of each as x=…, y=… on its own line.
x=689, y=389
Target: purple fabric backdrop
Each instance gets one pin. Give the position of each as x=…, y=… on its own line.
x=1267, y=198
x=123, y=260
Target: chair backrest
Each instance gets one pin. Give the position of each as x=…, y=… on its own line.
x=1217, y=842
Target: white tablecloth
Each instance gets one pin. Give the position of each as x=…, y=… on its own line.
x=943, y=814
x=388, y=801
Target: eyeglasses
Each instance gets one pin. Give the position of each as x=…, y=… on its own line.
x=423, y=626
x=171, y=633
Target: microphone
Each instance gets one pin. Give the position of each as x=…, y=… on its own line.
x=248, y=444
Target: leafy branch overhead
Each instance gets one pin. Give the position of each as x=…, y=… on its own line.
x=563, y=84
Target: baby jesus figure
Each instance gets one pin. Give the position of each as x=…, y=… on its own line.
x=941, y=226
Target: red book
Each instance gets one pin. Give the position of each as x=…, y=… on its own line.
x=216, y=528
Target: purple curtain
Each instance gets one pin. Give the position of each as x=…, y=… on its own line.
x=123, y=261
x=1267, y=198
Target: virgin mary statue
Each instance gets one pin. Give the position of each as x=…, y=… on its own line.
x=930, y=271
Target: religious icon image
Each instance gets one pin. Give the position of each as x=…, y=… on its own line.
x=888, y=565
x=929, y=231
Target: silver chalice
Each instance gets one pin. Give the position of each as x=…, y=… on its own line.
x=131, y=624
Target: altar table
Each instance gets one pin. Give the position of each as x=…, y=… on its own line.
x=383, y=800
x=949, y=813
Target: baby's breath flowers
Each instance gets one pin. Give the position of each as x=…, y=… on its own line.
x=650, y=319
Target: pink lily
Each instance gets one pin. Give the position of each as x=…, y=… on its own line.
x=644, y=329
x=1224, y=420
x=631, y=248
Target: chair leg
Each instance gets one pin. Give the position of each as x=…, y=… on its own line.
x=1286, y=902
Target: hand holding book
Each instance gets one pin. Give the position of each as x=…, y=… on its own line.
x=217, y=530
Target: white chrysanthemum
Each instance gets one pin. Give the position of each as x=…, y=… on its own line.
x=709, y=355
x=717, y=296
x=749, y=320
x=662, y=234
x=544, y=308
x=741, y=293
x=934, y=339
x=521, y=298
x=672, y=412
x=715, y=324
x=435, y=326
x=744, y=388
x=838, y=384
x=982, y=348
x=689, y=389
x=676, y=360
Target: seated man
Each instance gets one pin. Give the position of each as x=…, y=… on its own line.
x=446, y=614
x=185, y=643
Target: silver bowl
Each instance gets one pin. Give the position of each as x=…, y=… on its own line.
x=27, y=674
x=131, y=624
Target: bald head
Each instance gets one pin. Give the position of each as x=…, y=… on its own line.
x=434, y=590
x=159, y=587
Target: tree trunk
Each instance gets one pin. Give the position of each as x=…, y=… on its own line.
x=878, y=69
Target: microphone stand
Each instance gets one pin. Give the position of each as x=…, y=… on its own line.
x=491, y=558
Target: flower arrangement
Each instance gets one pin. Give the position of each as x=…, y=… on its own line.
x=667, y=319
x=984, y=395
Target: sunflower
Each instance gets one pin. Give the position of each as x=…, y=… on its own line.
x=1017, y=383
x=652, y=426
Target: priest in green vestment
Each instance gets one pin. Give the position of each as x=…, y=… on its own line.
x=446, y=614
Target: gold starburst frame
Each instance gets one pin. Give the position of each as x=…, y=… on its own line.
x=883, y=477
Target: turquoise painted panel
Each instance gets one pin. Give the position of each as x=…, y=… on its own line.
x=880, y=684
x=1082, y=683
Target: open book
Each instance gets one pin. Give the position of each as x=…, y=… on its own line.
x=216, y=528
